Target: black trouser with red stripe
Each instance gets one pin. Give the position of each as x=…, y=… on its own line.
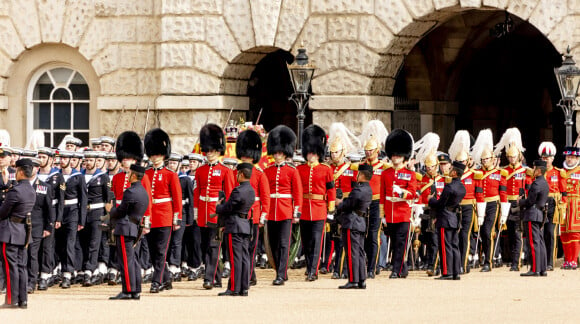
x=399, y=234
x=253, y=249
x=13, y=261
x=279, y=235
x=210, y=248
x=158, y=239
x=239, y=257
x=537, y=258
x=355, y=255
x=465, y=233
x=311, y=233
x=129, y=267
x=449, y=251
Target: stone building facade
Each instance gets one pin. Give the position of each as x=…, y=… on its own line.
x=185, y=62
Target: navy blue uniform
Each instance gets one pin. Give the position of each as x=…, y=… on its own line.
x=353, y=211
x=18, y=203
x=127, y=218
x=237, y=225
x=43, y=218
x=533, y=218
x=176, y=246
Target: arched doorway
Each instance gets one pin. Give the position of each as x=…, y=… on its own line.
x=464, y=75
x=269, y=88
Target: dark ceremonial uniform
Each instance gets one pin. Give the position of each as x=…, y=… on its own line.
x=374, y=221
x=176, y=246
x=261, y=206
x=237, y=226
x=43, y=218
x=426, y=186
x=556, y=179
x=127, y=216
x=353, y=211
x=446, y=207
x=533, y=217
x=191, y=251
x=17, y=204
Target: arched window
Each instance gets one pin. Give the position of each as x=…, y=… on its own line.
x=59, y=105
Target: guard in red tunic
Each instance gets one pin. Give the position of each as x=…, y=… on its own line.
x=249, y=150
x=285, y=198
x=319, y=197
x=398, y=191
x=211, y=179
x=166, y=207
x=556, y=201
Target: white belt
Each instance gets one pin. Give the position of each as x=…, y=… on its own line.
x=118, y=202
x=185, y=201
x=70, y=201
x=395, y=199
x=54, y=202
x=279, y=195
x=162, y=200
x=208, y=199
x=97, y=205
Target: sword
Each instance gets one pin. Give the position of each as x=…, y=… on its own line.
x=135, y=117
x=118, y=120
x=146, y=120
x=476, y=254
x=259, y=115
x=229, y=116
x=496, y=243
x=324, y=243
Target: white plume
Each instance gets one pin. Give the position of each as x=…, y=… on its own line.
x=484, y=141
x=4, y=138
x=512, y=136
x=460, y=143
x=36, y=140
x=349, y=140
x=376, y=129
x=426, y=146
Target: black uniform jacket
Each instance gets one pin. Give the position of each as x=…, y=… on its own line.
x=128, y=214
x=449, y=200
x=56, y=182
x=235, y=210
x=43, y=215
x=187, y=197
x=97, y=193
x=18, y=203
x=5, y=184
x=75, y=188
x=537, y=196
x=352, y=210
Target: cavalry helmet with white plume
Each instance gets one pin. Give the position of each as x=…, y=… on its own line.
x=459, y=148
x=342, y=139
x=426, y=149
x=511, y=141
x=373, y=135
x=483, y=147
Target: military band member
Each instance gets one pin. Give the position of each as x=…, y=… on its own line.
x=556, y=179
x=166, y=208
x=73, y=218
x=237, y=226
x=211, y=179
x=534, y=217
x=319, y=197
x=446, y=208
x=14, y=236
x=285, y=198
x=128, y=218
x=571, y=227
x=353, y=210
x=398, y=191
x=249, y=150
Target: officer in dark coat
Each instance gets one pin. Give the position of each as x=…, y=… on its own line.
x=43, y=217
x=447, y=223
x=14, y=212
x=352, y=217
x=237, y=225
x=533, y=216
x=128, y=216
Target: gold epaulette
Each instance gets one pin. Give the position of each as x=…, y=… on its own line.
x=448, y=179
x=354, y=166
x=418, y=176
x=529, y=172
x=325, y=164
x=477, y=175
x=562, y=173
x=504, y=172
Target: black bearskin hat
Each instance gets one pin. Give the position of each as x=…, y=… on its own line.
x=399, y=142
x=314, y=141
x=157, y=143
x=281, y=139
x=211, y=137
x=129, y=146
x=249, y=145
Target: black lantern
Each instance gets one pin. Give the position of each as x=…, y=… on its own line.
x=568, y=77
x=301, y=76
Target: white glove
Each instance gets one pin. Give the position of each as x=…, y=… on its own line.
x=297, y=214
x=195, y=214
x=481, y=209
x=480, y=220
x=417, y=211
x=263, y=219
x=505, y=211
x=397, y=190
x=384, y=221
x=416, y=221
x=330, y=217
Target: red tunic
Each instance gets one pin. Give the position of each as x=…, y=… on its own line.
x=210, y=180
x=262, y=203
x=397, y=209
x=318, y=190
x=470, y=183
x=166, y=197
x=424, y=187
x=120, y=182
x=343, y=176
x=557, y=182
x=375, y=183
x=285, y=191
x=492, y=186
x=516, y=179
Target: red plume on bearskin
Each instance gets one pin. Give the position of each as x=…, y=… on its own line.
x=157, y=143
x=129, y=146
x=281, y=139
x=314, y=141
x=249, y=144
x=399, y=142
x=211, y=137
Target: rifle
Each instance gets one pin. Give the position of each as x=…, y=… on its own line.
x=144, y=225
x=28, y=223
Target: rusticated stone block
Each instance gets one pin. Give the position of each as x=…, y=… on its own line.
x=389, y=65
x=9, y=40
x=394, y=14
x=359, y=59
x=207, y=6
x=175, y=7
x=419, y=8
x=219, y=37
x=374, y=34
x=265, y=14
x=124, y=29
x=354, y=120
x=382, y=86
x=239, y=71
x=122, y=82
x=547, y=14
x=327, y=58
x=134, y=8
x=341, y=82
x=564, y=33
x=175, y=55
x=137, y=56
x=5, y=64
x=442, y=4
x=402, y=45
x=234, y=87
x=207, y=60
x=188, y=81
x=418, y=28
x=147, y=82
x=25, y=19
x=183, y=28
x=313, y=34
x=76, y=21
x=107, y=61
x=292, y=17
x=105, y=8
x=522, y=8
x=51, y=18
x=342, y=6
x=238, y=15
x=343, y=28
x=470, y=3
x=500, y=4
x=148, y=30
x=96, y=37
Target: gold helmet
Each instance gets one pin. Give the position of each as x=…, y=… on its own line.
x=461, y=156
x=431, y=160
x=371, y=144
x=483, y=147
x=336, y=145
x=340, y=138
x=511, y=140
x=426, y=149
x=486, y=153
x=512, y=151
x=373, y=135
